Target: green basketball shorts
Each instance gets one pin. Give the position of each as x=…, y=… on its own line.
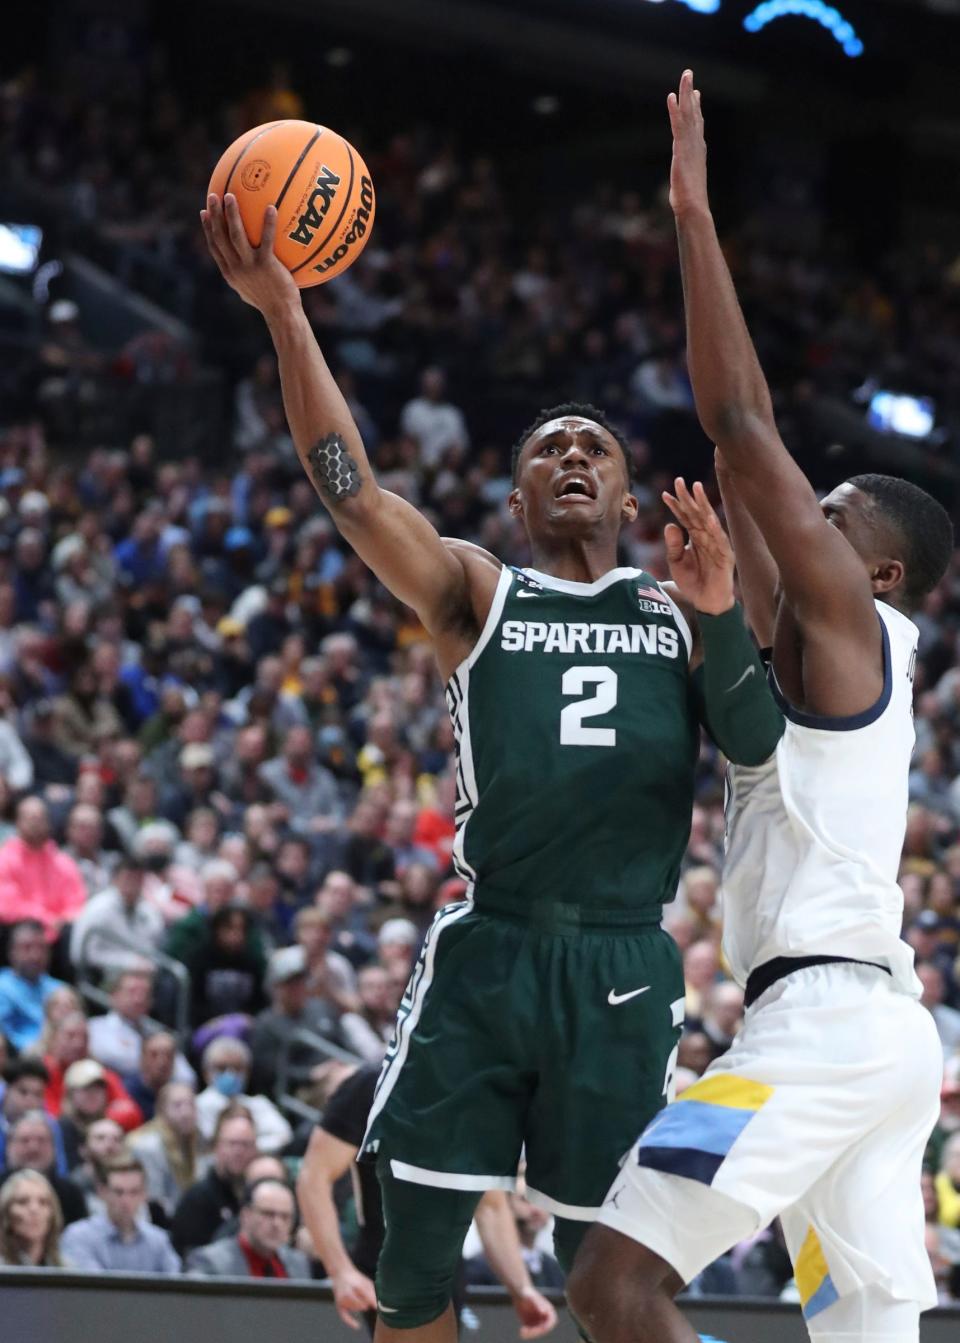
x=551, y=1036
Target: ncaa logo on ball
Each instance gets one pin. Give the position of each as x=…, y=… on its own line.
x=356, y=227
x=255, y=174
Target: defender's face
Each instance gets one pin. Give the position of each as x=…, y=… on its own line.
x=846, y=509
x=571, y=475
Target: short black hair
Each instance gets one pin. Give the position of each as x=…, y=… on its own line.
x=584, y=411
x=26, y=1067
x=922, y=526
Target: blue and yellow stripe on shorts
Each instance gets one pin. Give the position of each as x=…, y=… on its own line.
x=812, y=1276
x=692, y=1136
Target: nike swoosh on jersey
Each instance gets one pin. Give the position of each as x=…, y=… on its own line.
x=387, y=1310
x=740, y=679
x=524, y=593
x=614, y=998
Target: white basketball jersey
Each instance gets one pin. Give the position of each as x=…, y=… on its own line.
x=814, y=835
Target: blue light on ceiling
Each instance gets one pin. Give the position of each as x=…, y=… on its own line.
x=840, y=28
x=698, y=6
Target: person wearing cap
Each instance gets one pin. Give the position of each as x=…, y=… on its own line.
x=118, y=926
x=291, y=1009
x=85, y=1100
x=198, y=779
x=37, y=879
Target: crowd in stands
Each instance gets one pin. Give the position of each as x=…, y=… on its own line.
x=226, y=768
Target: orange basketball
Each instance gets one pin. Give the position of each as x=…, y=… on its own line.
x=320, y=186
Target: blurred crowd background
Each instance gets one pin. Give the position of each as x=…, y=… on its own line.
x=226, y=776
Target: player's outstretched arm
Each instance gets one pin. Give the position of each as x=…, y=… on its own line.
x=398, y=544
x=822, y=578
x=756, y=567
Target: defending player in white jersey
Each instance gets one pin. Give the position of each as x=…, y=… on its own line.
x=820, y=1110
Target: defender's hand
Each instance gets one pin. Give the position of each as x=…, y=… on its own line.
x=688, y=171
x=254, y=272
x=536, y=1314
x=703, y=568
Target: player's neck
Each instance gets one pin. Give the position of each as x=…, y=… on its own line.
x=574, y=561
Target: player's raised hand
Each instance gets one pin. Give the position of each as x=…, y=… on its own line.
x=536, y=1314
x=254, y=272
x=688, y=171
x=702, y=568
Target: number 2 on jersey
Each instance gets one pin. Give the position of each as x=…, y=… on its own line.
x=575, y=681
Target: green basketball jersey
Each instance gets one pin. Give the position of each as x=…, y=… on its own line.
x=576, y=745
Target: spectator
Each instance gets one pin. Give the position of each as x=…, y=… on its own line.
x=216, y=1197
x=118, y=1038
x=262, y=1249
x=138, y=809
x=401, y=823
x=103, y=1142
x=435, y=423
x=722, y=1015
x=160, y=1063
x=59, y=1004
x=218, y=884
x=30, y=1145
x=305, y=789
x=85, y=846
x=25, y=984
x=397, y=944
x=168, y=1146
x=226, y=976
x=118, y=925
x=226, y=1070
x=291, y=1010
x=69, y=1044
x=31, y=1222
x=701, y=967
x=368, y=1031
x=84, y=1102
x=16, y=767
x=83, y=717
x=25, y=1081
x=367, y=857
x=330, y=976
x=339, y=898
x=37, y=879
x=51, y=765
x=946, y=1019
x=948, y=1183
x=119, y=1241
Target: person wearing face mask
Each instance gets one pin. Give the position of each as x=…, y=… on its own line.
x=226, y=1070
x=119, y=911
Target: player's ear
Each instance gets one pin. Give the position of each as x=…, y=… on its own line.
x=629, y=508
x=515, y=503
x=886, y=575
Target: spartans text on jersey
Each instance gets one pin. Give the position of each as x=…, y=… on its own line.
x=528, y=636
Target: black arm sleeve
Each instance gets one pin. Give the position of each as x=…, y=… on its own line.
x=734, y=702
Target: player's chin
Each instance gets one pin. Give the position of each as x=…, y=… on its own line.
x=576, y=510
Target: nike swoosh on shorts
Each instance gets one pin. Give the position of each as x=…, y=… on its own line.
x=614, y=998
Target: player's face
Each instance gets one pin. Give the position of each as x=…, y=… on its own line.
x=571, y=477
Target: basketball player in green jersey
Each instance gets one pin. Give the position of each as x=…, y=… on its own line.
x=545, y=1010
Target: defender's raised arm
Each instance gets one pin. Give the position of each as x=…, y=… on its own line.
x=822, y=578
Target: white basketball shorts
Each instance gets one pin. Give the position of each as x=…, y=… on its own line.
x=818, y=1113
